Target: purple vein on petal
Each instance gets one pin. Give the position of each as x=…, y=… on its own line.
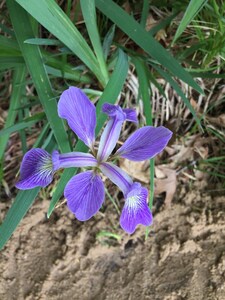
x=135, y=210
x=85, y=195
x=112, y=130
x=117, y=176
x=80, y=113
x=36, y=169
x=145, y=143
x=72, y=159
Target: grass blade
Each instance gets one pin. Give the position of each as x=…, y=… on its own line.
x=191, y=11
x=16, y=213
x=89, y=14
x=144, y=88
x=108, y=41
x=142, y=38
x=22, y=125
x=49, y=14
x=18, y=88
x=34, y=61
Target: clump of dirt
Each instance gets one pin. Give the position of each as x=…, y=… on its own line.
x=61, y=258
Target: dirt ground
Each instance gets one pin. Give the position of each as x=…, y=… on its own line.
x=61, y=258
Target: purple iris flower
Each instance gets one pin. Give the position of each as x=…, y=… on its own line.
x=85, y=191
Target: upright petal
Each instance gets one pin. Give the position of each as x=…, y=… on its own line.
x=85, y=195
x=145, y=143
x=135, y=210
x=117, y=176
x=36, y=170
x=73, y=159
x=112, y=130
x=80, y=113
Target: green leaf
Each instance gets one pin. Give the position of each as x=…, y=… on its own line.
x=89, y=14
x=110, y=95
x=144, y=88
x=34, y=61
x=144, y=13
x=17, y=211
x=18, y=89
x=22, y=125
x=191, y=11
x=108, y=41
x=50, y=15
x=142, y=38
x=43, y=42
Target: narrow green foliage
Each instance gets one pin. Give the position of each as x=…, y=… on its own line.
x=19, y=208
x=89, y=14
x=144, y=13
x=108, y=41
x=144, y=88
x=21, y=125
x=113, y=201
x=193, y=8
x=34, y=62
x=138, y=34
x=43, y=42
x=18, y=89
x=164, y=23
x=109, y=235
x=51, y=16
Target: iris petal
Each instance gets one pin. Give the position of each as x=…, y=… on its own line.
x=80, y=113
x=36, y=169
x=117, y=176
x=135, y=210
x=85, y=195
x=145, y=143
x=72, y=159
x=112, y=130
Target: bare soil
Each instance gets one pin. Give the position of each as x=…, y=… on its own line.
x=61, y=258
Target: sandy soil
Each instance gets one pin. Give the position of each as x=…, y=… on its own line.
x=61, y=258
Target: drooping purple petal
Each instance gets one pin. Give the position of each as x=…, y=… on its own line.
x=117, y=176
x=112, y=130
x=130, y=115
x=145, y=143
x=73, y=159
x=80, y=113
x=135, y=210
x=36, y=170
x=85, y=195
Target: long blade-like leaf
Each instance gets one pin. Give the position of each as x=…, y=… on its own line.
x=193, y=8
x=17, y=211
x=50, y=15
x=89, y=14
x=17, y=92
x=138, y=34
x=34, y=61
